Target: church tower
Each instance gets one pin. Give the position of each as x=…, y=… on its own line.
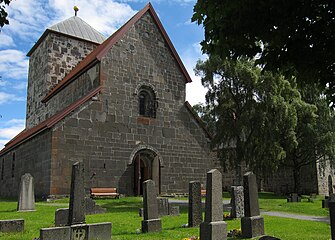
x=60, y=48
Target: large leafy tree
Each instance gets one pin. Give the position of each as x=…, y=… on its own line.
x=3, y=12
x=315, y=135
x=253, y=112
x=295, y=36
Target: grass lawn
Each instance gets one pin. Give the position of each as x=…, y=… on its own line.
x=123, y=213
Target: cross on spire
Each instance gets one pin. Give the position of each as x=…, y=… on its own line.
x=76, y=9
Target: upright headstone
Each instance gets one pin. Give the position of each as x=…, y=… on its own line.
x=213, y=228
x=194, y=204
x=163, y=206
x=332, y=218
x=151, y=222
x=26, y=196
x=77, y=195
x=252, y=224
x=237, y=202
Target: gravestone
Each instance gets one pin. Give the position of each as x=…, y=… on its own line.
x=151, y=222
x=26, y=195
x=163, y=206
x=14, y=225
x=77, y=195
x=330, y=198
x=194, y=204
x=332, y=218
x=252, y=224
x=294, y=197
x=237, y=202
x=92, y=208
x=213, y=228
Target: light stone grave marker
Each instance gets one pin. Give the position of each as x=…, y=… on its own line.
x=26, y=200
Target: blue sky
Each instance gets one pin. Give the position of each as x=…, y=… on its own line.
x=29, y=18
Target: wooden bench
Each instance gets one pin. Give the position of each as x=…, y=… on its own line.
x=203, y=192
x=104, y=192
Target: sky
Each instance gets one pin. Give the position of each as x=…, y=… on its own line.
x=29, y=19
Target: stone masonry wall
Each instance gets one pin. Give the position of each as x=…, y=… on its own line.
x=325, y=171
x=74, y=91
x=31, y=157
x=106, y=133
x=55, y=57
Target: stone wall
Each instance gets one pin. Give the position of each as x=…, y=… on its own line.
x=325, y=173
x=31, y=157
x=106, y=133
x=55, y=57
x=74, y=91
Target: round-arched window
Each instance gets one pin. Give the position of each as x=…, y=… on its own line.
x=147, y=102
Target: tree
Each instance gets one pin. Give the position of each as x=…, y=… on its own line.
x=253, y=112
x=3, y=12
x=294, y=36
x=315, y=134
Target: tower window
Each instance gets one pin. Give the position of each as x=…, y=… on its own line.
x=147, y=102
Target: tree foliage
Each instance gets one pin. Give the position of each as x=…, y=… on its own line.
x=252, y=112
x=3, y=12
x=295, y=36
x=261, y=118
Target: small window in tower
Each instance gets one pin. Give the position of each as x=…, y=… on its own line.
x=13, y=164
x=147, y=103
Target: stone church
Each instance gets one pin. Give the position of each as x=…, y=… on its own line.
x=118, y=105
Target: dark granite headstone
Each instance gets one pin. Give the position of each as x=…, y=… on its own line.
x=92, y=208
x=26, y=195
x=163, y=206
x=194, y=204
x=174, y=210
x=61, y=217
x=14, y=225
x=294, y=197
x=252, y=224
x=332, y=218
x=77, y=195
x=151, y=222
x=213, y=228
x=237, y=202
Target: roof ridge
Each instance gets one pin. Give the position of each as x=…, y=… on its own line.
x=103, y=48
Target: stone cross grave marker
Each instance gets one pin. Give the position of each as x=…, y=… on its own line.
x=194, y=204
x=77, y=195
x=237, y=202
x=252, y=224
x=213, y=228
x=26, y=195
x=151, y=222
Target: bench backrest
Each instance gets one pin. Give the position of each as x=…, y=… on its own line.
x=103, y=190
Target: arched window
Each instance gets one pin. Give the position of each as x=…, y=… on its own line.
x=147, y=102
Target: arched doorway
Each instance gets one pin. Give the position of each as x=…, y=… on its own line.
x=146, y=166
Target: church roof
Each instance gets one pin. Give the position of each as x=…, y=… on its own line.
x=100, y=51
x=94, y=56
x=74, y=27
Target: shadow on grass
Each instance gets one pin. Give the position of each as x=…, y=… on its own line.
x=269, y=195
x=121, y=206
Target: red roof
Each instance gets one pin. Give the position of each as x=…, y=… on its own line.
x=101, y=50
x=50, y=122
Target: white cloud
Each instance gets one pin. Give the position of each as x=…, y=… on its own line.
x=10, y=129
x=6, y=40
x=104, y=16
x=195, y=92
x=9, y=97
x=13, y=64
